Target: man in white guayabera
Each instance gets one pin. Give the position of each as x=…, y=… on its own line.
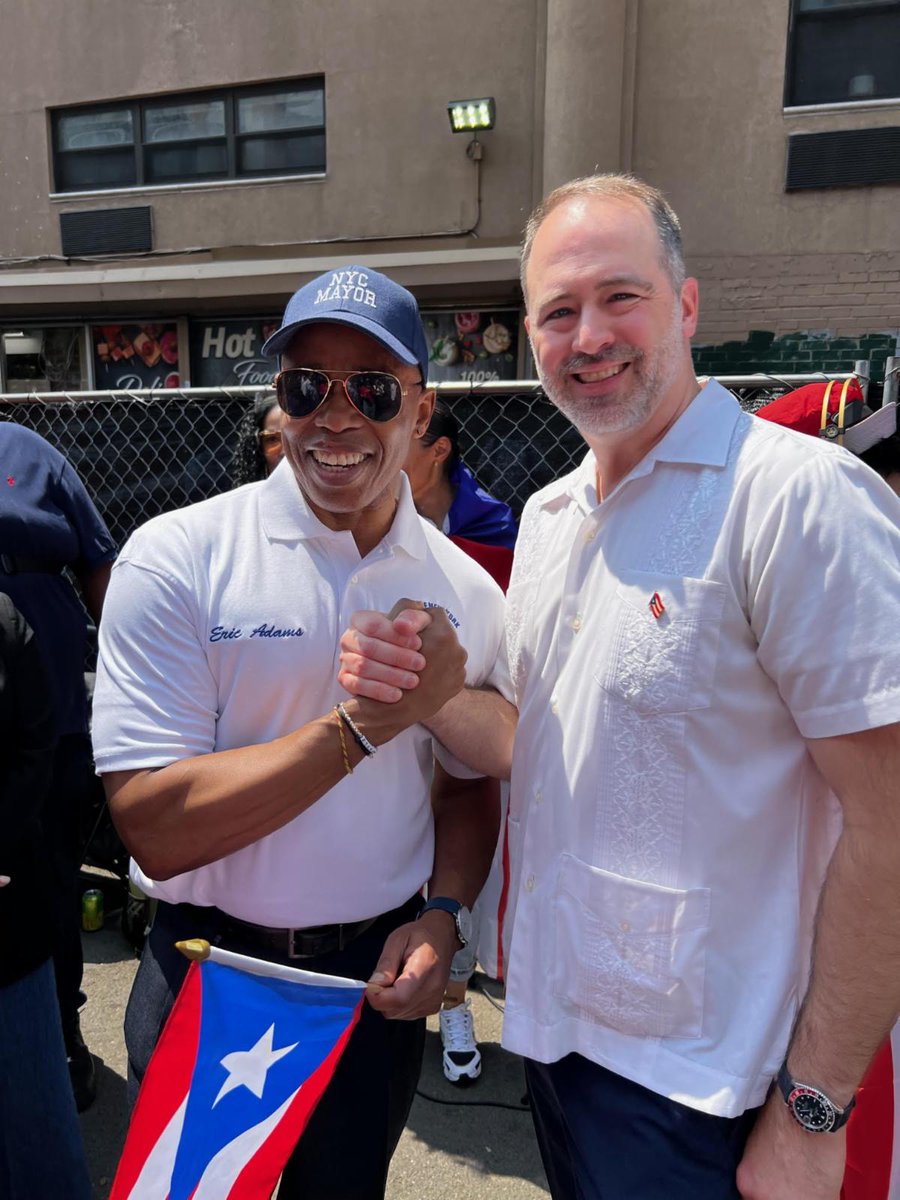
x=705, y=805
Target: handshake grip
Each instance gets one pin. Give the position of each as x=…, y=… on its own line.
x=409, y=659
x=444, y=673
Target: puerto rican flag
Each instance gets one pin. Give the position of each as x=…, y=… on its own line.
x=244, y=1058
x=873, y=1132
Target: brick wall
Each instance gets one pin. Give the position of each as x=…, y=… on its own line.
x=797, y=313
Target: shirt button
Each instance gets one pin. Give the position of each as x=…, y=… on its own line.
x=554, y=707
x=589, y=537
x=529, y=884
x=576, y=622
x=538, y=796
x=354, y=579
x=625, y=926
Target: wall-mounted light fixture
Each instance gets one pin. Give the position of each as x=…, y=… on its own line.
x=472, y=116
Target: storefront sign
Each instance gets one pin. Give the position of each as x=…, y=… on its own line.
x=227, y=353
x=472, y=347
x=135, y=356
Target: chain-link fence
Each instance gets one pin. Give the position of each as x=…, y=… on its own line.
x=143, y=453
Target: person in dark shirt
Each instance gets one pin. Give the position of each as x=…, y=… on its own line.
x=41, y=1154
x=48, y=522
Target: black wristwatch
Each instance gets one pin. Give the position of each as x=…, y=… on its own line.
x=462, y=918
x=810, y=1107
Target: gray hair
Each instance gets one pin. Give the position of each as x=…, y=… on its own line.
x=614, y=187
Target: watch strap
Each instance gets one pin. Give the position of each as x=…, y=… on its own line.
x=444, y=903
x=449, y=906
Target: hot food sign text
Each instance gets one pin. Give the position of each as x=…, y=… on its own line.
x=227, y=353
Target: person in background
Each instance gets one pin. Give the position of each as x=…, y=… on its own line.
x=446, y=493
x=41, y=1154
x=47, y=523
x=259, y=448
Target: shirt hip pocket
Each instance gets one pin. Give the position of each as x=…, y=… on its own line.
x=630, y=955
x=661, y=650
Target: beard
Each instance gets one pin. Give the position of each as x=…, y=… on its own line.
x=631, y=405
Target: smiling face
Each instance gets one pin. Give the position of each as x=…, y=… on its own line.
x=610, y=335
x=347, y=466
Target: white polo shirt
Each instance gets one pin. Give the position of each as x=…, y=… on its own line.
x=221, y=628
x=669, y=832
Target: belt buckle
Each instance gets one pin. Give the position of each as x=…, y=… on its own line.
x=316, y=940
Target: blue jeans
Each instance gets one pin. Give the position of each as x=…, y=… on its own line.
x=41, y=1154
x=463, y=965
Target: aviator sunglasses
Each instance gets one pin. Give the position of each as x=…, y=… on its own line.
x=375, y=394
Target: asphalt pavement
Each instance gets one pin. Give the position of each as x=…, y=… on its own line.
x=475, y=1142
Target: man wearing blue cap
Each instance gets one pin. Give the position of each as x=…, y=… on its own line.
x=261, y=811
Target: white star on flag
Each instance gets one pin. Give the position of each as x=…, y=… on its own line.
x=250, y=1067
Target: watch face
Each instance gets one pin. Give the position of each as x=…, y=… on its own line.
x=464, y=925
x=812, y=1109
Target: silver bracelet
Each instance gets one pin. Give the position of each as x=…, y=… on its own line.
x=364, y=744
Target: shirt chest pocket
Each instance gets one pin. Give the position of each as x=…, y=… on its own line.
x=661, y=645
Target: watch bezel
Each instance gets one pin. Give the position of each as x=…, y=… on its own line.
x=801, y=1090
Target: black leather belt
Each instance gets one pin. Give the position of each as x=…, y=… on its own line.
x=18, y=564
x=311, y=942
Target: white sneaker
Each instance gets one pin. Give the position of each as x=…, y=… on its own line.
x=462, y=1058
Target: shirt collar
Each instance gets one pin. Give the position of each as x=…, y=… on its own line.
x=700, y=437
x=286, y=516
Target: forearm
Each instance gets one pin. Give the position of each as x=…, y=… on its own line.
x=466, y=825
x=93, y=587
x=198, y=810
x=853, y=997
x=478, y=727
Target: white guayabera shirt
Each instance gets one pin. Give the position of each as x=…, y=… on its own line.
x=670, y=650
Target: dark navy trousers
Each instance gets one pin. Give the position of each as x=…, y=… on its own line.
x=603, y=1137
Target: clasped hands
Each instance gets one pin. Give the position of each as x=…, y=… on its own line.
x=411, y=659
x=388, y=656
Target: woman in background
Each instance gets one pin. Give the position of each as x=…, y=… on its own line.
x=259, y=450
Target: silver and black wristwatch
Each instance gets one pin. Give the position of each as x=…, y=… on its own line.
x=462, y=918
x=810, y=1107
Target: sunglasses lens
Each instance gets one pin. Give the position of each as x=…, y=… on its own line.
x=300, y=392
x=378, y=397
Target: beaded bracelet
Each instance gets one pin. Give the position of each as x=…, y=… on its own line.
x=346, y=757
x=364, y=744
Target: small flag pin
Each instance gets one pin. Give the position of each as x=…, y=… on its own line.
x=656, y=605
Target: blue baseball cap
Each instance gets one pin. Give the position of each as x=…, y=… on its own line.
x=365, y=299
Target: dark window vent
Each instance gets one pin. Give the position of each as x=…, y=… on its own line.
x=106, y=231
x=844, y=158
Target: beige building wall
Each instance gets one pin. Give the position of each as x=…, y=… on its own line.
x=710, y=129
x=395, y=171
x=688, y=94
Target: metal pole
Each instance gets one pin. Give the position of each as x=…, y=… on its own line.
x=891, y=381
x=861, y=367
